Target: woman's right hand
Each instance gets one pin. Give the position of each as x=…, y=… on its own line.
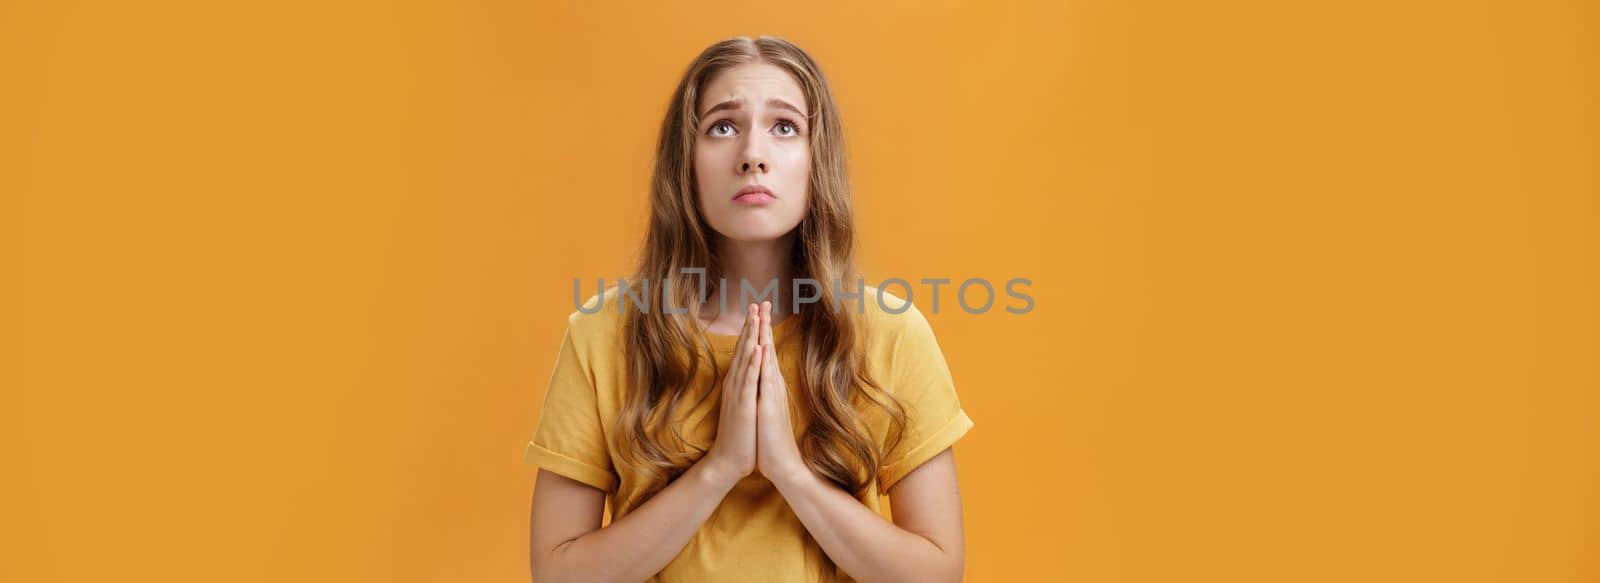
x=733, y=455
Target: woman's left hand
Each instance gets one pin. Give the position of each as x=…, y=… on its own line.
x=777, y=454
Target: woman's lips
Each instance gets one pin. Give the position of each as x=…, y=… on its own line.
x=754, y=198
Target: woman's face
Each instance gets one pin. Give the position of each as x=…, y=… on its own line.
x=753, y=132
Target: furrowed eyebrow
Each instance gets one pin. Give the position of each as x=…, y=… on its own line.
x=735, y=105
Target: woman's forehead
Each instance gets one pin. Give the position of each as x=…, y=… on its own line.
x=752, y=85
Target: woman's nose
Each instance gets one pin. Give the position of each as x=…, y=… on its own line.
x=753, y=156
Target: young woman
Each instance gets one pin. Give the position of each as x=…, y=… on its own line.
x=744, y=441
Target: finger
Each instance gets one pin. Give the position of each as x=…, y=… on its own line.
x=742, y=346
x=753, y=371
x=749, y=373
x=770, y=398
x=767, y=322
x=772, y=346
x=744, y=330
x=768, y=373
x=751, y=330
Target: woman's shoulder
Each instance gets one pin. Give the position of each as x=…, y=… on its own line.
x=888, y=316
x=596, y=319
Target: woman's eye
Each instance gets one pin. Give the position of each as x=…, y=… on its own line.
x=785, y=128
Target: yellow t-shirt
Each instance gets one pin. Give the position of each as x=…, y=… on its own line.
x=753, y=535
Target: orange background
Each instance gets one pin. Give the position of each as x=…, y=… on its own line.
x=1315, y=283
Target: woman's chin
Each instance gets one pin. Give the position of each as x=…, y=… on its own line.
x=760, y=233
x=762, y=237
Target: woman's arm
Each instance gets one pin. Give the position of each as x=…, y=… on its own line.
x=924, y=544
x=569, y=545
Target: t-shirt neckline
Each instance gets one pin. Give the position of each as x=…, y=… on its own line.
x=726, y=343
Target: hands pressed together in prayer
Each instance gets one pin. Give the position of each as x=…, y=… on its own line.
x=754, y=431
x=755, y=434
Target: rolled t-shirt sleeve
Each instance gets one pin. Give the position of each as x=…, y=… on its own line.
x=922, y=382
x=569, y=439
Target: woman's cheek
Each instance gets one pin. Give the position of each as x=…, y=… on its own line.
x=796, y=160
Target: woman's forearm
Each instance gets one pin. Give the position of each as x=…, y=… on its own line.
x=638, y=545
x=864, y=544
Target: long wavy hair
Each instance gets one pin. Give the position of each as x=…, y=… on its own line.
x=664, y=351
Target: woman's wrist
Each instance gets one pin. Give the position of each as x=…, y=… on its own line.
x=799, y=475
x=711, y=472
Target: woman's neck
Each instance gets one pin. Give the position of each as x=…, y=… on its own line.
x=760, y=263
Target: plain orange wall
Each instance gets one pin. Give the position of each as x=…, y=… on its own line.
x=1315, y=283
